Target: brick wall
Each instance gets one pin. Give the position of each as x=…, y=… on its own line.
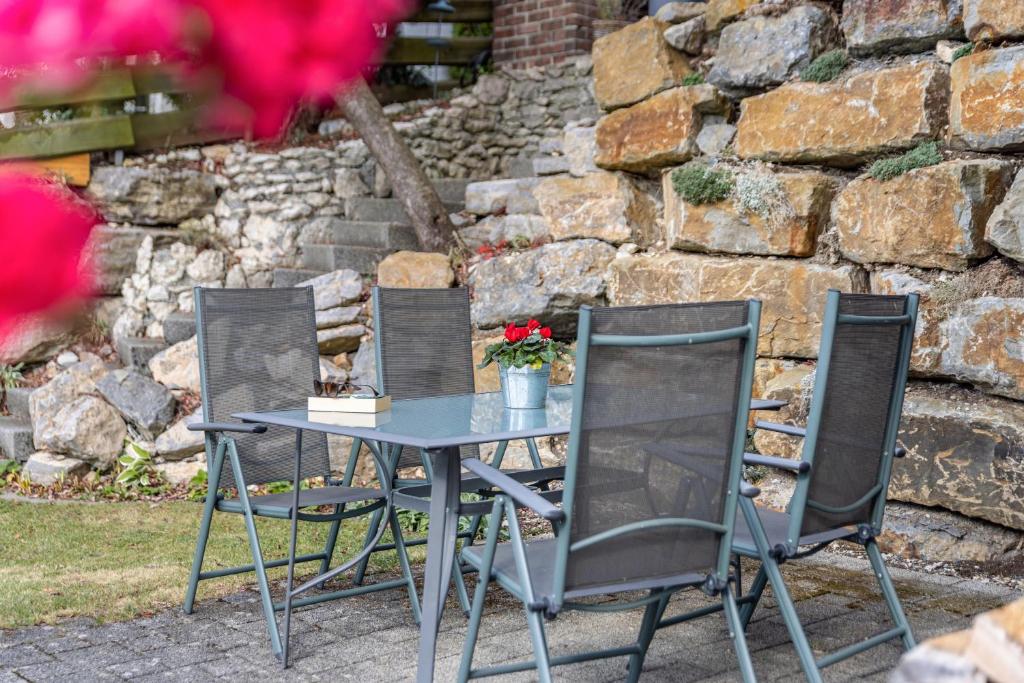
x=539, y=32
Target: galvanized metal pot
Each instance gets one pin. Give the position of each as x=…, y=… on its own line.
x=524, y=387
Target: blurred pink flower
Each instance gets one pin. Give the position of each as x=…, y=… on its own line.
x=44, y=231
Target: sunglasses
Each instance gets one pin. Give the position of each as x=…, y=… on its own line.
x=336, y=389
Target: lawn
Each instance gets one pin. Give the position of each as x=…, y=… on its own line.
x=115, y=561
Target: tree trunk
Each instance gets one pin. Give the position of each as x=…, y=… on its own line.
x=409, y=183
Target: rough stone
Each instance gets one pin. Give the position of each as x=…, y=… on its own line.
x=792, y=291
x=550, y=165
x=331, y=372
x=790, y=227
x=494, y=229
x=549, y=283
x=145, y=403
x=720, y=12
x=579, y=143
x=986, y=110
x=178, y=443
x=982, y=342
x=763, y=51
x=112, y=251
x=177, y=367
x=927, y=350
x=793, y=385
x=1005, y=227
x=934, y=534
x=687, y=36
x=364, y=365
x=965, y=452
x=678, y=12
x=337, y=288
x=882, y=222
x=46, y=468
x=512, y=195
x=180, y=472
x=945, y=49
x=152, y=196
x=993, y=20
x=602, y=205
x=339, y=339
x=874, y=27
x=841, y=122
x=413, y=269
x=333, y=317
x=87, y=428
x=634, y=63
x=658, y=132
x=36, y=339
x=46, y=401
x=713, y=139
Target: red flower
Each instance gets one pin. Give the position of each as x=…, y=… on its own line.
x=522, y=333
x=510, y=332
x=532, y=325
x=545, y=332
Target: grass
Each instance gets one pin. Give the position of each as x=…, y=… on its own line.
x=115, y=561
x=697, y=184
x=963, y=51
x=826, y=67
x=693, y=79
x=925, y=154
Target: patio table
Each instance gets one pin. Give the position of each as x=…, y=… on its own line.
x=440, y=426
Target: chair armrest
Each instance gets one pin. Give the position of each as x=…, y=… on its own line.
x=900, y=452
x=748, y=490
x=791, y=430
x=769, y=404
x=241, y=427
x=514, y=490
x=798, y=466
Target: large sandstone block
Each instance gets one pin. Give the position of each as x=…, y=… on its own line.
x=841, y=122
x=763, y=51
x=780, y=213
x=877, y=26
x=932, y=217
x=414, y=269
x=720, y=12
x=177, y=367
x=965, y=452
x=634, y=63
x=657, y=132
x=549, y=283
x=602, y=205
x=1005, y=228
x=986, y=110
x=792, y=291
x=993, y=19
x=152, y=196
x=926, y=352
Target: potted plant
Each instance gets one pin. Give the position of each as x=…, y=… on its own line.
x=524, y=360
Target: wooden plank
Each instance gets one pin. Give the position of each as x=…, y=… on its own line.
x=108, y=85
x=466, y=12
x=66, y=137
x=409, y=51
x=74, y=169
x=174, y=129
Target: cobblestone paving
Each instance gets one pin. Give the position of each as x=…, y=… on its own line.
x=371, y=638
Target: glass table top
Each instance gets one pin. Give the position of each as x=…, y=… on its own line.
x=443, y=421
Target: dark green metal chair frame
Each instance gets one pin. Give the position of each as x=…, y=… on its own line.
x=681, y=541
x=843, y=475
x=275, y=328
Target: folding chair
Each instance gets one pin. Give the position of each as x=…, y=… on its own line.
x=258, y=352
x=424, y=348
x=843, y=474
x=653, y=475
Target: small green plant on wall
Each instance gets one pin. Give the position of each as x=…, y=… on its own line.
x=698, y=184
x=693, y=79
x=925, y=154
x=826, y=67
x=963, y=51
x=759, y=191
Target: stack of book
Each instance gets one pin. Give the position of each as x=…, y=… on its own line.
x=350, y=411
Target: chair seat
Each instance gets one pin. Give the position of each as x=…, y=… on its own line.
x=540, y=557
x=417, y=497
x=776, y=528
x=277, y=504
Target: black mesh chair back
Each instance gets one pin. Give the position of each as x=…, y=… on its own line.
x=424, y=348
x=856, y=394
x=658, y=439
x=257, y=352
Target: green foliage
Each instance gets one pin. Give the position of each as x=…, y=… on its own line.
x=197, y=486
x=963, y=51
x=533, y=350
x=925, y=154
x=11, y=375
x=9, y=467
x=697, y=184
x=826, y=67
x=693, y=79
x=136, y=470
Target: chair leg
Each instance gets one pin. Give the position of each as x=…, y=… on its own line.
x=756, y=591
x=535, y=622
x=473, y=631
x=332, y=539
x=889, y=591
x=531, y=446
x=739, y=638
x=789, y=615
x=648, y=625
x=204, y=528
x=361, y=567
x=460, y=584
x=403, y=562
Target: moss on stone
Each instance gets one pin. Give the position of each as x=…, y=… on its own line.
x=826, y=67
x=697, y=184
x=693, y=79
x=963, y=51
x=925, y=154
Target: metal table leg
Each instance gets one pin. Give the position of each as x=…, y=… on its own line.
x=444, y=526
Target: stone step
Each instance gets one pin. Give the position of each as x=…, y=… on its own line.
x=16, y=439
x=376, y=235
x=289, y=277
x=329, y=257
x=451, y=189
x=383, y=210
x=178, y=327
x=18, y=400
x=135, y=352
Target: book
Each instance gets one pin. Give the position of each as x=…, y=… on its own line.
x=349, y=404
x=333, y=417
